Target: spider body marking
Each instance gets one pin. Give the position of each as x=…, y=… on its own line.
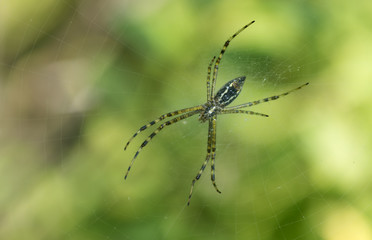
x=216, y=104
x=226, y=95
x=229, y=92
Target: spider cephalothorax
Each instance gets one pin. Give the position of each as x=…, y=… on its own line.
x=216, y=104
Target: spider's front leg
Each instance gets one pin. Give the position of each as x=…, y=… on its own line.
x=162, y=117
x=211, y=153
x=153, y=134
x=209, y=148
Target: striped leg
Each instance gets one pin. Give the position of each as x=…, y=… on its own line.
x=162, y=126
x=215, y=71
x=249, y=104
x=213, y=155
x=209, y=80
x=161, y=118
x=243, y=111
x=210, y=128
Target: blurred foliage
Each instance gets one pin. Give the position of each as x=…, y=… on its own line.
x=78, y=78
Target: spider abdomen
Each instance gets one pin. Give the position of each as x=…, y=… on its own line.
x=229, y=92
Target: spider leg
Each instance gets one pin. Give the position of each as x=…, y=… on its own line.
x=209, y=147
x=213, y=155
x=162, y=126
x=249, y=104
x=209, y=79
x=232, y=110
x=215, y=71
x=162, y=117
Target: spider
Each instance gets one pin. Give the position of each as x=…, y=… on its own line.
x=216, y=104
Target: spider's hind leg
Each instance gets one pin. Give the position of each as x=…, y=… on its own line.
x=215, y=69
x=209, y=97
x=224, y=111
x=267, y=99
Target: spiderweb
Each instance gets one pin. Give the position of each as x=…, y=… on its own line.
x=79, y=78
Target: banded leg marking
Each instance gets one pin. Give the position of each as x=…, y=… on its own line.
x=162, y=126
x=213, y=154
x=209, y=96
x=249, y=104
x=198, y=176
x=162, y=117
x=204, y=164
x=243, y=111
x=215, y=71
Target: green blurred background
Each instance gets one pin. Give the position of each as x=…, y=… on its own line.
x=78, y=78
